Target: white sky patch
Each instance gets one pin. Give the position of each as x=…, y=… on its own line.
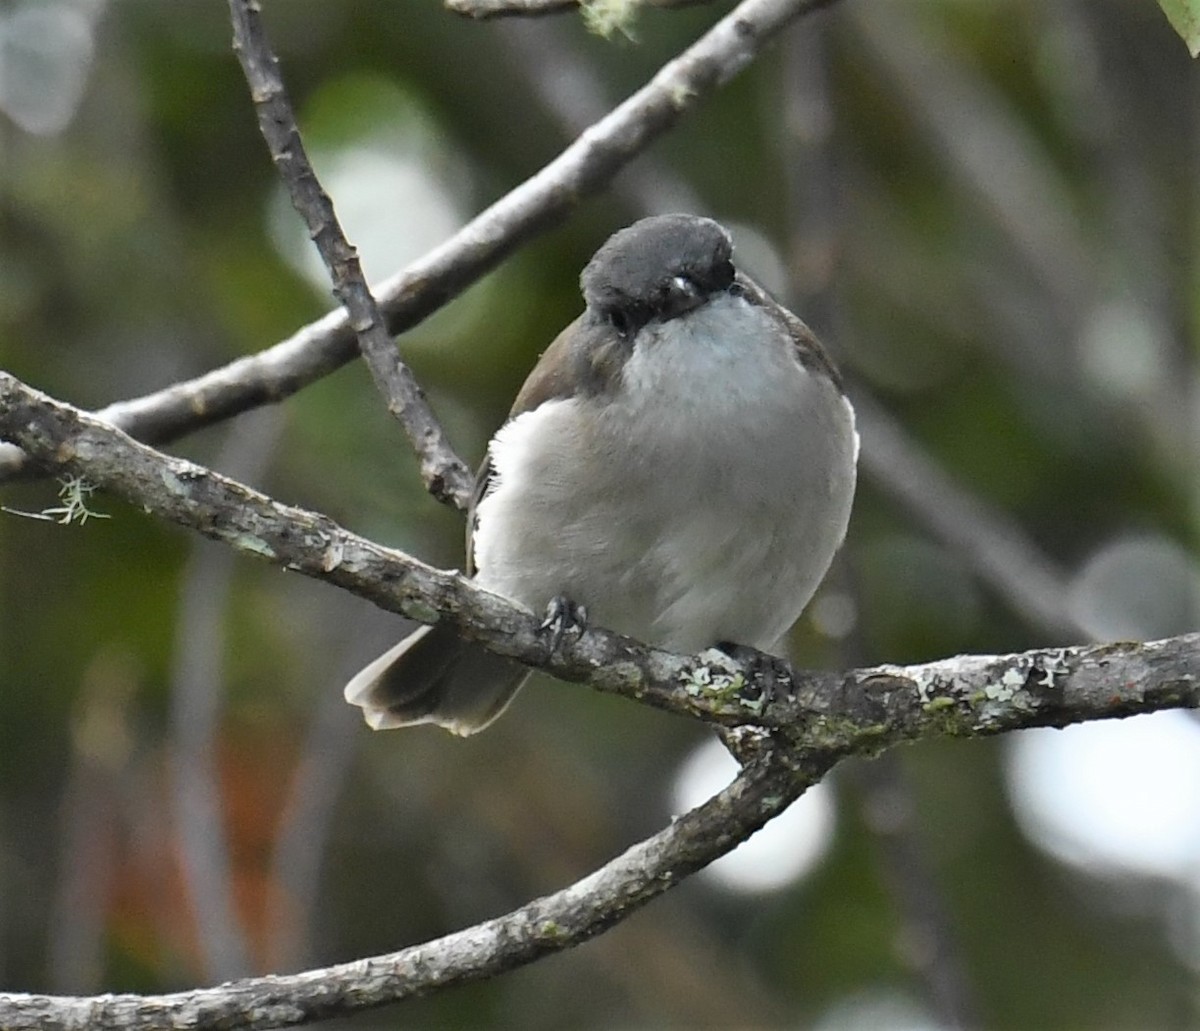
x=393, y=206
x=785, y=850
x=1123, y=350
x=834, y=614
x=46, y=54
x=1114, y=795
x=1137, y=588
x=879, y=1010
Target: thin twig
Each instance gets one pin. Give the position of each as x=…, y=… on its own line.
x=994, y=545
x=990, y=150
x=583, y=168
x=445, y=475
x=481, y=10
x=307, y=814
x=926, y=935
x=567, y=86
x=195, y=775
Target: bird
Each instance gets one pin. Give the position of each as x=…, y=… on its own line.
x=679, y=467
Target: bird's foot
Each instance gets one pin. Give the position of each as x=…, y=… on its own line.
x=771, y=672
x=563, y=616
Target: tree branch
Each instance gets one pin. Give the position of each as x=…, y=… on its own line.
x=855, y=712
x=824, y=718
x=583, y=168
x=481, y=10
x=550, y=924
x=445, y=475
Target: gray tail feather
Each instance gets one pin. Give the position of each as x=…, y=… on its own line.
x=434, y=676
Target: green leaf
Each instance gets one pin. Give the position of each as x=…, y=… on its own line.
x=1184, y=16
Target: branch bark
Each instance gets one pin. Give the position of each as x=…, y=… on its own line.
x=445, y=475
x=583, y=168
x=481, y=10
x=860, y=712
x=790, y=741
x=568, y=917
x=856, y=712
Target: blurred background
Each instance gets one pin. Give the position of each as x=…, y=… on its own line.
x=988, y=210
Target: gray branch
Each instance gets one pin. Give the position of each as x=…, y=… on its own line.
x=839, y=711
x=583, y=168
x=792, y=740
x=484, y=9
x=445, y=475
x=549, y=924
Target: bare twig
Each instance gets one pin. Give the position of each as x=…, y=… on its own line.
x=446, y=476
x=311, y=803
x=195, y=777
x=92, y=824
x=484, y=9
x=990, y=152
x=568, y=88
x=583, y=168
x=926, y=934
x=993, y=159
x=481, y=9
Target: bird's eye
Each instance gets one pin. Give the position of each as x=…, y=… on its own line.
x=619, y=321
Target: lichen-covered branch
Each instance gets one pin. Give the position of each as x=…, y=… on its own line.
x=849, y=712
x=583, y=168
x=446, y=476
x=795, y=737
x=550, y=924
x=484, y=9
x=481, y=9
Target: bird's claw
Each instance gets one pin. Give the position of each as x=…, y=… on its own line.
x=772, y=673
x=563, y=616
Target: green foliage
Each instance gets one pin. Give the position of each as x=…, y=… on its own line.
x=1184, y=16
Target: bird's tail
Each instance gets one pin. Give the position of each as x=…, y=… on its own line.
x=434, y=676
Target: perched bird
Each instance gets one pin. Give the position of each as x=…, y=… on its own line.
x=680, y=463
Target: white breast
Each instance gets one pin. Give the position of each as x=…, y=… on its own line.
x=702, y=504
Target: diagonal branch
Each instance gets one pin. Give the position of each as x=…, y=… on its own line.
x=445, y=475
x=583, y=168
x=481, y=10
x=550, y=924
x=855, y=712
x=827, y=716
